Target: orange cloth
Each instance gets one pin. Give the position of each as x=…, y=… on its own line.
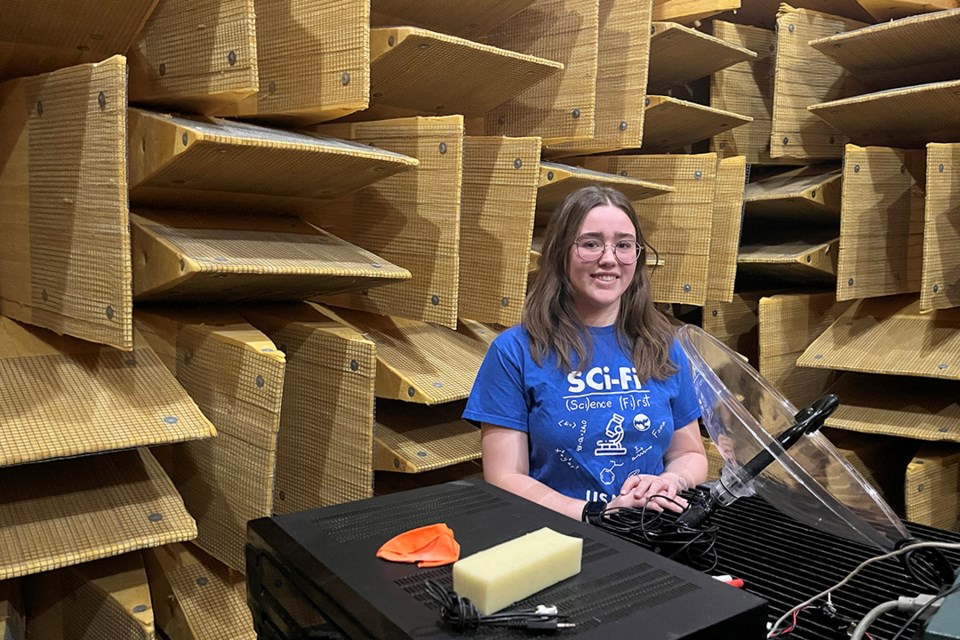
x=429, y=546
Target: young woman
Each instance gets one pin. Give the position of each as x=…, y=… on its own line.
x=589, y=403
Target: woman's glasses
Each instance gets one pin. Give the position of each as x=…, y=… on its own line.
x=626, y=251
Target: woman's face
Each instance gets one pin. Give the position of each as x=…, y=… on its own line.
x=598, y=284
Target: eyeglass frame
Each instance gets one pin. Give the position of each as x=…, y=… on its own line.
x=640, y=247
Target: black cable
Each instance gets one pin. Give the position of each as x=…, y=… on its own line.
x=695, y=546
x=928, y=566
x=463, y=616
x=919, y=612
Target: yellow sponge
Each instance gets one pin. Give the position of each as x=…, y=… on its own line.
x=511, y=571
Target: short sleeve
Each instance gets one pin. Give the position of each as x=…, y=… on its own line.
x=499, y=396
x=686, y=409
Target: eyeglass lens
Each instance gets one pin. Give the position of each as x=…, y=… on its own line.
x=626, y=252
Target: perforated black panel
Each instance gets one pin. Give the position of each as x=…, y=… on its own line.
x=787, y=562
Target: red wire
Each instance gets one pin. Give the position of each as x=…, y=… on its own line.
x=793, y=624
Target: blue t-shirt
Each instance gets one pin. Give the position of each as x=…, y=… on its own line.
x=589, y=430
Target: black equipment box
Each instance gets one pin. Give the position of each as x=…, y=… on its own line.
x=311, y=572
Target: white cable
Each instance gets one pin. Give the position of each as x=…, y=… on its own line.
x=903, y=603
x=920, y=545
x=872, y=616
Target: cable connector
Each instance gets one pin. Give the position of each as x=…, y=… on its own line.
x=730, y=580
x=931, y=602
x=544, y=610
x=924, y=602
x=545, y=624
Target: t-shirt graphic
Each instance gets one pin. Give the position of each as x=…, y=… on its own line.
x=588, y=430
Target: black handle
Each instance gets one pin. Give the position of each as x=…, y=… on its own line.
x=808, y=420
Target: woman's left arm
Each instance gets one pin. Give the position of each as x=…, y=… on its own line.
x=686, y=457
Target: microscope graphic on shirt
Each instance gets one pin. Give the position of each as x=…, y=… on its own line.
x=614, y=433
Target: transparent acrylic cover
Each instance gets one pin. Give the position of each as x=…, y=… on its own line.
x=810, y=481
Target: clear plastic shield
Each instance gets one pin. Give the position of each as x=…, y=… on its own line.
x=810, y=481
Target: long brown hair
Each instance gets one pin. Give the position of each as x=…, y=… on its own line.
x=548, y=311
